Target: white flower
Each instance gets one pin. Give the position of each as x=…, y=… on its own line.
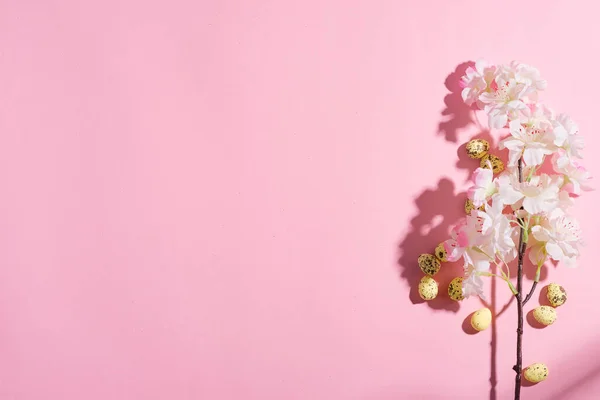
x=538, y=195
x=566, y=138
x=531, y=142
x=560, y=235
x=576, y=176
x=484, y=186
x=529, y=76
x=503, y=102
x=491, y=236
x=525, y=75
x=479, y=260
x=455, y=246
x=477, y=80
x=473, y=284
x=501, y=235
x=466, y=239
x=508, y=189
x=541, y=193
x=564, y=127
x=513, y=86
x=537, y=115
x=565, y=201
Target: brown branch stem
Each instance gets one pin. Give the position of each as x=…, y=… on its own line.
x=518, y=367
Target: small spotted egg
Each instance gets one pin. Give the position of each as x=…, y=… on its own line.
x=481, y=319
x=545, y=315
x=536, y=372
x=477, y=148
x=469, y=206
x=428, y=288
x=557, y=295
x=495, y=161
x=429, y=264
x=440, y=252
x=455, y=289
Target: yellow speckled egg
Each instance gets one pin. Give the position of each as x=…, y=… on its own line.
x=536, y=372
x=440, y=252
x=428, y=288
x=477, y=148
x=497, y=164
x=455, y=289
x=557, y=295
x=545, y=315
x=469, y=206
x=429, y=264
x=481, y=319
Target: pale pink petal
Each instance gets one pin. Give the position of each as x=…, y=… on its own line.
x=540, y=233
x=554, y=251
x=537, y=256
x=533, y=156
x=483, y=176
x=453, y=250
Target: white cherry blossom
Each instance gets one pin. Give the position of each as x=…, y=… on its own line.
x=484, y=186
x=532, y=142
x=477, y=80
x=473, y=283
x=566, y=138
x=560, y=235
x=576, y=176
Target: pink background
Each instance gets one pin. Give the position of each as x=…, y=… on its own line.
x=208, y=200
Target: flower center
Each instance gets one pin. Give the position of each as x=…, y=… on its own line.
x=502, y=94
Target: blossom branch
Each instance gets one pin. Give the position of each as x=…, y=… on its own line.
x=538, y=222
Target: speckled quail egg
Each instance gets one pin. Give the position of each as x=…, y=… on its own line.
x=545, y=315
x=469, y=206
x=477, y=148
x=557, y=295
x=440, y=252
x=481, y=319
x=495, y=161
x=429, y=264
x=428, y=288
x=536, y=372
x=455, y=289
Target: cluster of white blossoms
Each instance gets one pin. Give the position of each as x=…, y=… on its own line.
x=520, y=197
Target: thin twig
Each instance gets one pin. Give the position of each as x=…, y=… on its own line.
x=530, y=292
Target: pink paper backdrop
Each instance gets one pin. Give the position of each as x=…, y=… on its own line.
x=208, y=200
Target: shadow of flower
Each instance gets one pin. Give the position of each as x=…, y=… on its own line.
x=457, y=115
x=438, y=210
